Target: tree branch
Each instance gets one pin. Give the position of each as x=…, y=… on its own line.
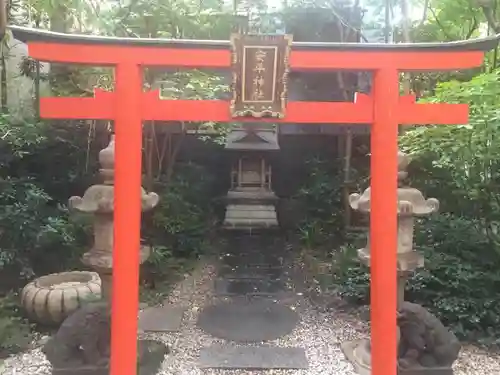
x=473, y=28
x=424, y=13
x=436, y=18
x=490, y=16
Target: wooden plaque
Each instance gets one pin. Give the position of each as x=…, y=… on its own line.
x=260, y=69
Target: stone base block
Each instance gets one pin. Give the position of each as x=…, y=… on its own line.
x=241, y=215
x=246, y=195
x=355, y=354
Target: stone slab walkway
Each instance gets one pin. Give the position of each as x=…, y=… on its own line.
x=252, y=357
x=254, y=312
x=318, y=333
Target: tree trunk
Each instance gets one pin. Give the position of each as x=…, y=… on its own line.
x=60, y=23
x=405, y=26
x=4, y=48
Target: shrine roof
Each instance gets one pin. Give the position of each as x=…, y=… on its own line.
x=243, y=140
x=25, y=34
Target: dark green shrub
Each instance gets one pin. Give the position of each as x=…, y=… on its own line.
x=320, y=198
x=180, y=224
x=16, y=333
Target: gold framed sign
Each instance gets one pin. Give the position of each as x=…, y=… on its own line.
x=260, y=67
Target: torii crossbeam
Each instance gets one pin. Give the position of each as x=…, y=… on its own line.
x=129, y=106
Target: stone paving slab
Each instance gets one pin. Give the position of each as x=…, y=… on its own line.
x=244, y=320
x=253, y=261
x=161, y=319
x=250, y=287
x=253, y=274
x=252, y=357
x=243, y=270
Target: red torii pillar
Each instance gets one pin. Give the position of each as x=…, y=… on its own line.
x=128, y=106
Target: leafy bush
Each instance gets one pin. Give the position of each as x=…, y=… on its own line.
x=37, y=235
x=321, y=199
x=15, y=332
x=180, y=224
x=460, y=165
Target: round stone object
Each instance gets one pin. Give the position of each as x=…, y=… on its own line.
x=51, y=298
x=248, y=320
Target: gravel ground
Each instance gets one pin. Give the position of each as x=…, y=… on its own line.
x=320, y=333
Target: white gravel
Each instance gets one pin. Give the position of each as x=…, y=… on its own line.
x=319, y=333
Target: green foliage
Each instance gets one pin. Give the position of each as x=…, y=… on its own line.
x=180, y=224
x=461, y=277
x=441, y=21
x=168, y=19
x=459, y=165
x=16, y=333
x=321, y=199
x=34, y=234
x=37, y=234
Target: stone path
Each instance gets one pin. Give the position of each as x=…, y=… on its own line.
x=251, y=283
x=319, y=333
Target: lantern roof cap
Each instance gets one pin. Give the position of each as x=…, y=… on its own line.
x=411, y=201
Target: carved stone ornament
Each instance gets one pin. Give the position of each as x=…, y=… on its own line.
x=425, y=345
x=82, y=345
x=260, y=67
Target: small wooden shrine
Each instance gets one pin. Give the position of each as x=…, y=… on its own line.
x=251, y=200
x=260, y=67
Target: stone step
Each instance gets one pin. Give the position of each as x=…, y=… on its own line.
x=252, y=357
x=161, y=319
x=255, y=215
x=252, y=274
x=252, y=260
x=248, y=223
x=251, y=207
x=250, y=287
x=249, y=272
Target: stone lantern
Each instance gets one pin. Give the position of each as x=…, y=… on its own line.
x=99, y=201
x=411, y=204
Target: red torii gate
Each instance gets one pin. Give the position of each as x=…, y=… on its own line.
x=129, y=106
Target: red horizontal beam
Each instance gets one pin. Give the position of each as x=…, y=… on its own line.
x=410, y=112
x=102, y=106
x=372, y=60
x=219, y=58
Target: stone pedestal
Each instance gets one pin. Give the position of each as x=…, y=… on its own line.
x=98, y=200
x=246, y=209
